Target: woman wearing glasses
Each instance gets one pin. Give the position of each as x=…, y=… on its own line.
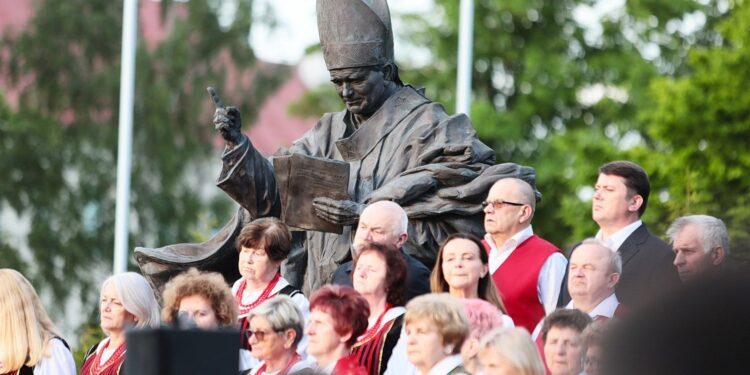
x=262, y=245
x=275, y=329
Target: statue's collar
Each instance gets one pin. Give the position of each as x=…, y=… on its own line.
x=380, y=124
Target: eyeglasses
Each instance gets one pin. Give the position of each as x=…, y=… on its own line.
x=259, y=335
x=498, y=204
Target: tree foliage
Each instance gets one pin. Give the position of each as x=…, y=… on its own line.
x=59, y=145
x=700, y=124
x=563, y=92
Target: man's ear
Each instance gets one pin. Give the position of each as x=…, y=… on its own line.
x=402, y=238
x=525, y=214
x=717, y=255
x=614, y=278
x=636, y=201
x=389, y=72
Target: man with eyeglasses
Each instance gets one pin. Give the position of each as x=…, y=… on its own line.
x=527, y=270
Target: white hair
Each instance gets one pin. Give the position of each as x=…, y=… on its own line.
x=614, y=259
x=713, y=231
x=400, y=219
x=282, y=313
x=137, y=297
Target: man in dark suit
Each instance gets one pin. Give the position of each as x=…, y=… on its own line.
x=620, y=199
x=386, y=223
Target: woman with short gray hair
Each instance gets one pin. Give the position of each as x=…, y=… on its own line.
x=275, y=329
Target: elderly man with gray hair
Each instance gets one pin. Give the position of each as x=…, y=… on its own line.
x=386, y=223
x=700, y=244
x=593, y=273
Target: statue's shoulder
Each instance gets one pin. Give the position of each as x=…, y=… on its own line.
x=332, y=117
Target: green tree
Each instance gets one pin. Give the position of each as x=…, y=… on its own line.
x=59, y=145
x=700, y=124
x=562, y=94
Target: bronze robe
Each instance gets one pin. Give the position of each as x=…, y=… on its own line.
x=409, y=151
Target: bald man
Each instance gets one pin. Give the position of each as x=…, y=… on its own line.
x=527, y=270
x=593, y=273
x=386, y=223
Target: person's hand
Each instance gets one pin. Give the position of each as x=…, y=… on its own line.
x=229, y=124
x=338, y=212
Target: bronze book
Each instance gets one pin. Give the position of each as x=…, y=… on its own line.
x=300, y=179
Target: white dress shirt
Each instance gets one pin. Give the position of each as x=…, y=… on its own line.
x=550, y=275
x=614, y=241
x=606, y=308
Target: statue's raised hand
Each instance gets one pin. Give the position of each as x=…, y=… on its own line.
x=227, y=120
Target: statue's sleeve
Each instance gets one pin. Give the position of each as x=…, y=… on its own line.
x=449, y=173
x=248, y=178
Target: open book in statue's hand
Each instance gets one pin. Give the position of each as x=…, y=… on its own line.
x=301, y=179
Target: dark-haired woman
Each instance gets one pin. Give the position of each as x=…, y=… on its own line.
x=379, y=275
x=263, y=245
x=462, y=270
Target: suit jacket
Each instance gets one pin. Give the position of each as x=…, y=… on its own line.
x=647, y=270
x=417, y=276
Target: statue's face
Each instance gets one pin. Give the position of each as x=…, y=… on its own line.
x=363, y=90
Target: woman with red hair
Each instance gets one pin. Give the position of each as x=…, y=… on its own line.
x=338, y=316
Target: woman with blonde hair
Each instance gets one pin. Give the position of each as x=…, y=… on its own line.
x=126, y=301
x=509, y=351
x=435, y=327
x=202, y=296
x=29, y=341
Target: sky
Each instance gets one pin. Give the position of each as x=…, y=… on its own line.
x=297, y=30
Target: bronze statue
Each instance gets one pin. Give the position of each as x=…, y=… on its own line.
x=399, y=145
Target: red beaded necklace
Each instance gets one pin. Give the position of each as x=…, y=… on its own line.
x=370, y=333
x=97, y=367
x=286, y=368
x=245, y=308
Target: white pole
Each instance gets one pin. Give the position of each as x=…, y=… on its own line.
x=465, y=47
x=125, y=136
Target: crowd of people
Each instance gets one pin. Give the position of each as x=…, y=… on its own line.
x=511, y=303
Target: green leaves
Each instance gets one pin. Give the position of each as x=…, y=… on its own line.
x=59, y=145
x=563, y=86
x=702, y=121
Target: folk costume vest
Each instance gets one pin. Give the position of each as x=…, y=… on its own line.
x=517, y=279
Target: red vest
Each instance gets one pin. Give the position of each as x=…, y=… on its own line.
x=517, y=279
